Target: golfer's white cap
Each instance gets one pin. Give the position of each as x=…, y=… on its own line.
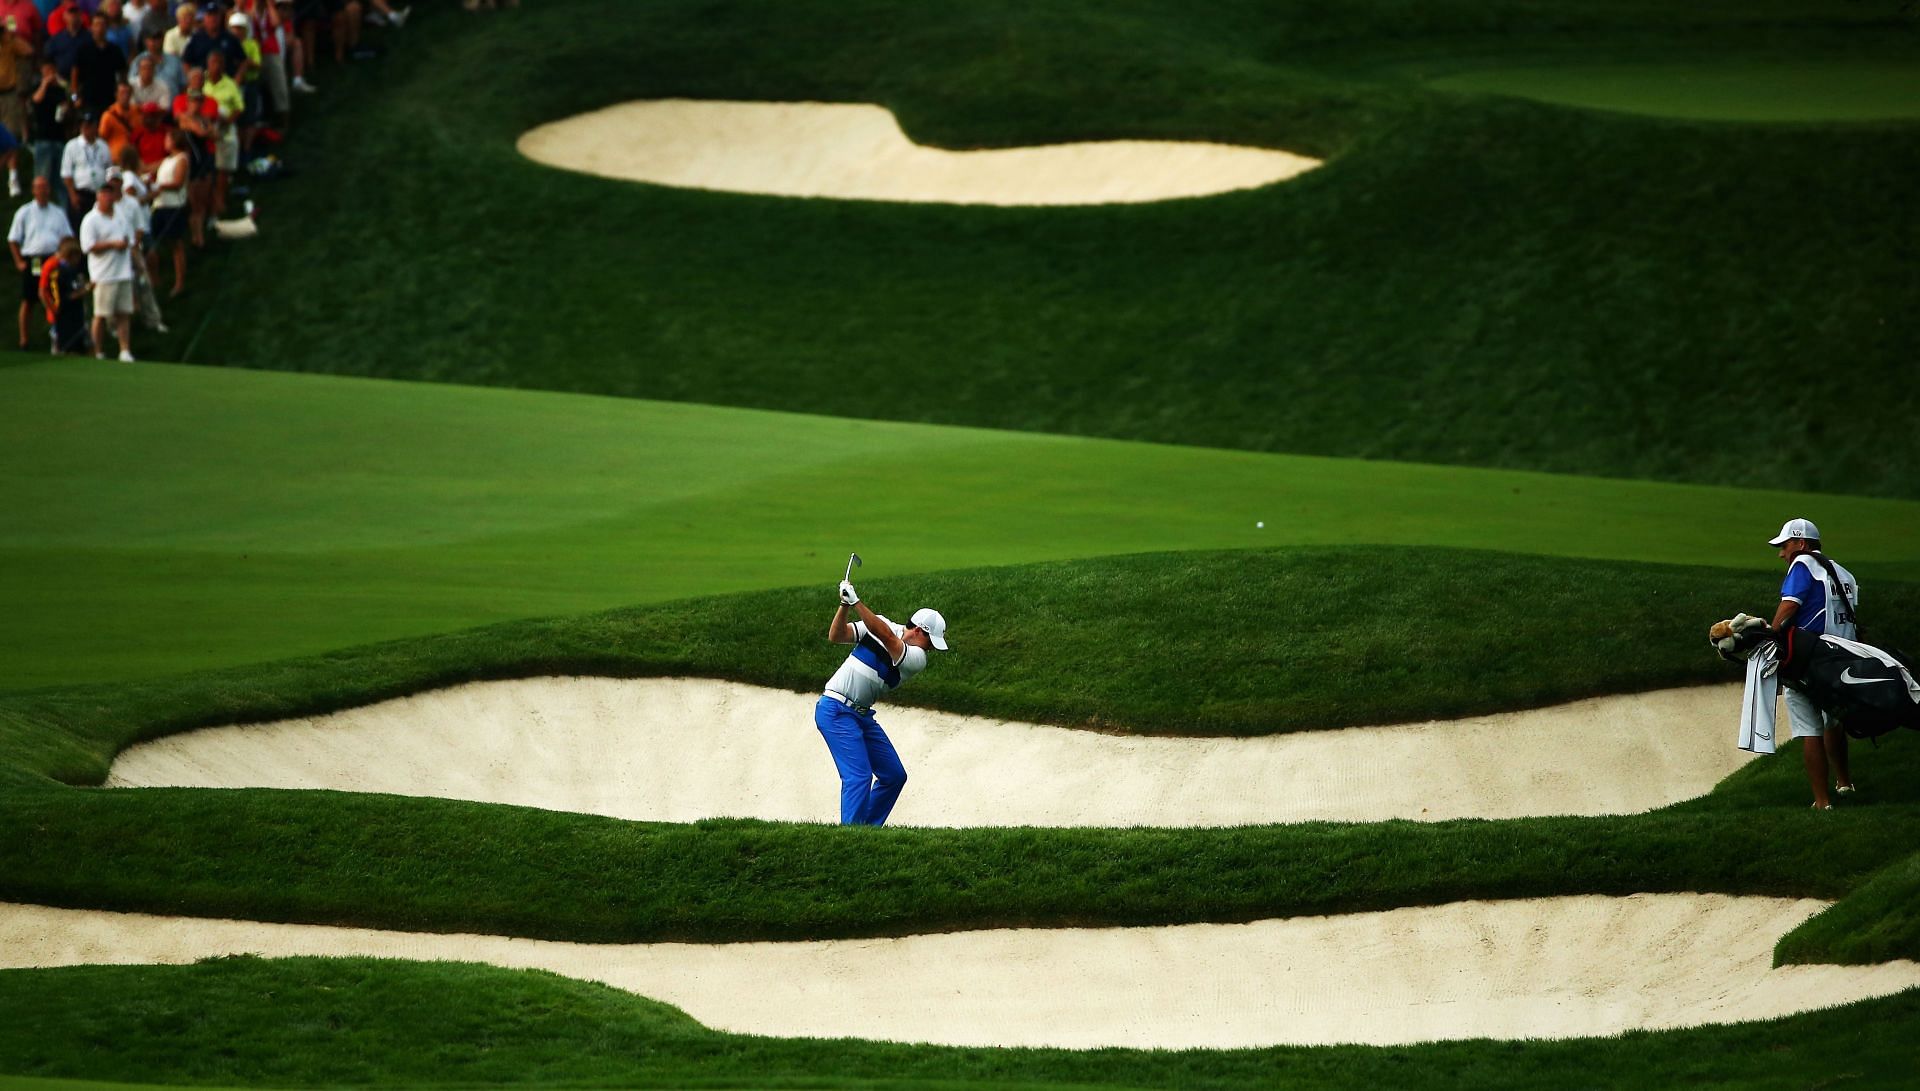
x=1796, y=528
x=931, y=623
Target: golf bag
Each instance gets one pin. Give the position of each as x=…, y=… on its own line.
x=1868, y=690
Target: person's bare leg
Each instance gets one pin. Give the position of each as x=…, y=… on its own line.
x=1835, y=741
x=1814, y=753
x=340, y=38
x=99, y=335
x=179, y=266
x=23, y=325
x=123, y=330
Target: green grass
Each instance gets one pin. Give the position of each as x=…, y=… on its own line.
x=1230, y=643
x=1285, y=640
x=299, y=514
x=360, y=1022
x=1831, y=91
x=1470, y=281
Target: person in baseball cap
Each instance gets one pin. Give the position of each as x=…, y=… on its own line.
x=1817, y=596
x=885, y=656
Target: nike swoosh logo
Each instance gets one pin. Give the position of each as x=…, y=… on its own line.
x=1847, y=676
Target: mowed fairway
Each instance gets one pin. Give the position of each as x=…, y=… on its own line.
x=1791, y=91
x=171, y=518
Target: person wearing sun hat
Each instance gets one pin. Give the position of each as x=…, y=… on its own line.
x=1819, y=597
x=885, y=656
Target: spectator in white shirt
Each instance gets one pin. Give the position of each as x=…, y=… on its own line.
x=109, y=243
x=38, y=227
x=175, y=40
x=149, y=86
x=84, y=165
x=132, y=207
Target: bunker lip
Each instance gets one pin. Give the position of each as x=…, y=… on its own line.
x=682, y=749
x=856, y=151
x=1537, y=968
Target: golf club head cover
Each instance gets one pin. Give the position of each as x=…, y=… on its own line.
x=847, y=594
x=1737, y=637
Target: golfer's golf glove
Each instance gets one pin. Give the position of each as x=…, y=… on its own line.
x=848, y=595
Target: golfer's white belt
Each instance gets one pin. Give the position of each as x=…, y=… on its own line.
x=842, y=698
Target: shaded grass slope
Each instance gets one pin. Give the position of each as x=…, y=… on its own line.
x=1223, y=643
x=361, y=1022
x=1471, y=280
x=304, y=513
x=1279, y=640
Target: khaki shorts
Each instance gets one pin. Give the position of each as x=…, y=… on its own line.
x=113, y=298
x=1807, y=719
x=226, y=154
x=13, y=114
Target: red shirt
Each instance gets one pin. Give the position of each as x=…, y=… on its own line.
x=57, y=18
x=26, y=19
x=152, y=142
x=209, y=109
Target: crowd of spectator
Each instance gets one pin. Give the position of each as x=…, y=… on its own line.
x=136, y=118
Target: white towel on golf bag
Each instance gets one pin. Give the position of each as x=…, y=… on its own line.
x=1758, y=704
x=1868, y=651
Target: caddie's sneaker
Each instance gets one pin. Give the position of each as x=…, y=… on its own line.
x=126, y=357
x=301, y=85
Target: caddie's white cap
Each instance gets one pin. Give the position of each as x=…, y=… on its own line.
x=931, y=623
x=1796, y=528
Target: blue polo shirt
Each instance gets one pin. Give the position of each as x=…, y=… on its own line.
x=1815, y=615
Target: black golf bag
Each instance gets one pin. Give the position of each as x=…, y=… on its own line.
x=1869, y=690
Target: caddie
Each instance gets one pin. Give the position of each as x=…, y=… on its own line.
x=885, y=655
x=1819, y=597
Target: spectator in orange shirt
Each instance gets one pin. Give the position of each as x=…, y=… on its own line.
x=118, y=124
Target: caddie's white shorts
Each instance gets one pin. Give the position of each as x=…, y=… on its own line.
x=1808, y=721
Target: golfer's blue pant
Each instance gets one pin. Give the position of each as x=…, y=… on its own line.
x=871, y=775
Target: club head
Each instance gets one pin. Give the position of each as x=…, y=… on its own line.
x=855, y=558
x=853, y=562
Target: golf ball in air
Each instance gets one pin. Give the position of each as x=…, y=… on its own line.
x=1260, y=525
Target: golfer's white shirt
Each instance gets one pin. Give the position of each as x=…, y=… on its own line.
x=859, y=682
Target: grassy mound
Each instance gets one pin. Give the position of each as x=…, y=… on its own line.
x=1471, y=280
x=361, y=1022
x=1278, y=640
x=301, y=514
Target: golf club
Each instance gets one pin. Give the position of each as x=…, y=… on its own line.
x=853, y=562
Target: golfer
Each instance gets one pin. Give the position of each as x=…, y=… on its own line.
x=1817, y=596
x=884, y=655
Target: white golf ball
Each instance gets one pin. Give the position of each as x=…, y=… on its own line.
x=1260, y=526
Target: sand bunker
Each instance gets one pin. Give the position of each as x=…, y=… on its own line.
x=817, y=149
x=1555, y=967
x=683, y=749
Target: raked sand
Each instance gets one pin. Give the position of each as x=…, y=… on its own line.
x=677, y=750
x=850, y=150
x=1556, y=967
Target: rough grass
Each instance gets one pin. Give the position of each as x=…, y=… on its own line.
x=1471, y=280
x=245, y=1021
x=1279, y=640
x=1223, y=643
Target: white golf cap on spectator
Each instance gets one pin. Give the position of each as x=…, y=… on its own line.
x=1796, y=528
x=931, y=623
